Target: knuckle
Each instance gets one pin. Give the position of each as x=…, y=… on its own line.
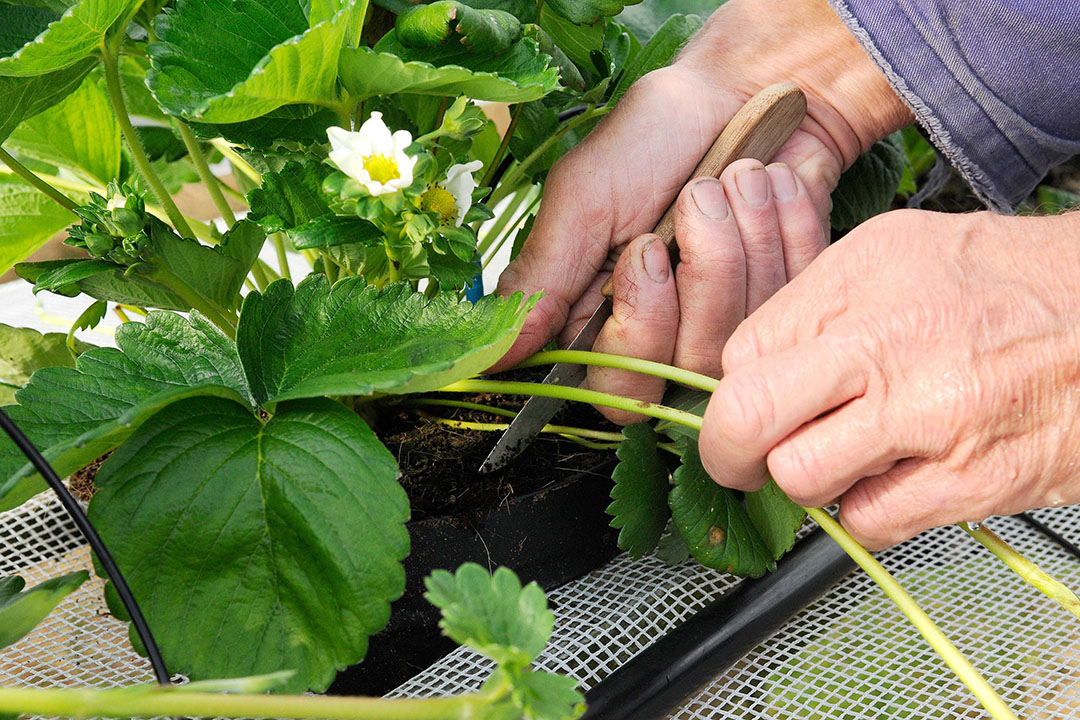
x=747, y=404
x=871, y=522
x=741, y=348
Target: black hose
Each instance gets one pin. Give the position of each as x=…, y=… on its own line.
x=104, y=557
x=667, y=672
x=1052, y=535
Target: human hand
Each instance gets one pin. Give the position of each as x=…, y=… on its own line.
x=923, y=371
x=616, y=184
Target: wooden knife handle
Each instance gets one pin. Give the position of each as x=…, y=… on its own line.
x=758, y=130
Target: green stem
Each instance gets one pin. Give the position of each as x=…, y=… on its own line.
x=282, y=257
x=647, y=367
x=591, y=397
x=516, y=226
x=258, y=271
x=514, y=174
x=615, y=437
x=463, y=404
x=1029, y=571
x=217, y=315
x=231, y=191
x=138, y=153
x=123, y=703
x=238, y=162
x=208, y=178
x=26, y=174
x=504, y=144
x=509, y=212
x=918, y=617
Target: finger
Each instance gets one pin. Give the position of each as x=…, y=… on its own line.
x=759, y=405
x=915, y=495
x=711, y=276
x=821, y=460
x=643, y=324
x=803, y=238
x=583, y=309
x=750, y=195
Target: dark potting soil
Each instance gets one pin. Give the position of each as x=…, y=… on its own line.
x=439, y=463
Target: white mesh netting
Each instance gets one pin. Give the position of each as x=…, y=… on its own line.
x=849, y=655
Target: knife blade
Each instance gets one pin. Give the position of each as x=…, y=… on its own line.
x=758, y=130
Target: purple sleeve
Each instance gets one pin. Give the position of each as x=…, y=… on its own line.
x=996, y=83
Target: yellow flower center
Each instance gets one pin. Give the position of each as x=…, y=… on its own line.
x=438, y=199
x=381, y=168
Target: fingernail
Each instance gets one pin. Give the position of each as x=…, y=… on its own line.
x=654, y=258
x=783, y=182
x=710, y=199
x=753, y=186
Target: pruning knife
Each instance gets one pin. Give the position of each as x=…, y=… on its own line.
x=758, y=130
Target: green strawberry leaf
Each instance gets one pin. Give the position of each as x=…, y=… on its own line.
x=292, y=531
x=520, y=74
x=868, y=187
x=687, y=399
x=353, y=339
x=21, y=610
x=28, y=218
x=492, y=614
x=99, y=279
x=290, y=197
x=276, y=57
x=485, y=31
x=452, y=272
x=644, y=19
x=672, y=549
x=547, y=696
x=25, y=97
x=659, y=52
x=639, y=497
x=39, y=41
x=586, y=12
x=332, y=230
x=80, y=133
x=719, y=526
x=23, y=351
x=76, y=415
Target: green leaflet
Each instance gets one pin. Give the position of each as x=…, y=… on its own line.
x=23, y=351
x=289, y=533
x=683, y=398
x=493, y=614
x=487, y=32
x=52, y=42
x=639, y=497
x=333, y=230
x=868, y=187
x=25, y=97
x=520, y=74
x=659, y=52
x=79, y=133
x=721, y=529
x=353, y=339
x=585, y=12
x=21, y=610
x=99, y=279
x=275, y=58
x=76, y=415
x=646, y=18
x=290, y=197
x=28, y=218
x=577, y=41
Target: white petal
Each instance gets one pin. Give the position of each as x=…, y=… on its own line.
x=377, y=136
x=459, y=181
x=401, y=140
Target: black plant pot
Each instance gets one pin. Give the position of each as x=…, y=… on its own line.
x=552, y=536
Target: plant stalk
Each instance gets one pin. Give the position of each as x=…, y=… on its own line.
x=224, y=320
x=517, y=226
x=138, y=152
x=959, y=664
x=223, y=147
x=282, y=256
x=1029, y=571
x=208, y=178
x=167, y=701
x=591, y=397
x=504, y=144
x=26, y=174
x=647, y=367
x=615, y=437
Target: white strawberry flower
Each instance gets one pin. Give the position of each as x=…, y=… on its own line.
x=459, y=181
x=373, y=156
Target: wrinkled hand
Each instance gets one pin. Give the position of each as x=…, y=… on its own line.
x=924, y=370
x=740, y=239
